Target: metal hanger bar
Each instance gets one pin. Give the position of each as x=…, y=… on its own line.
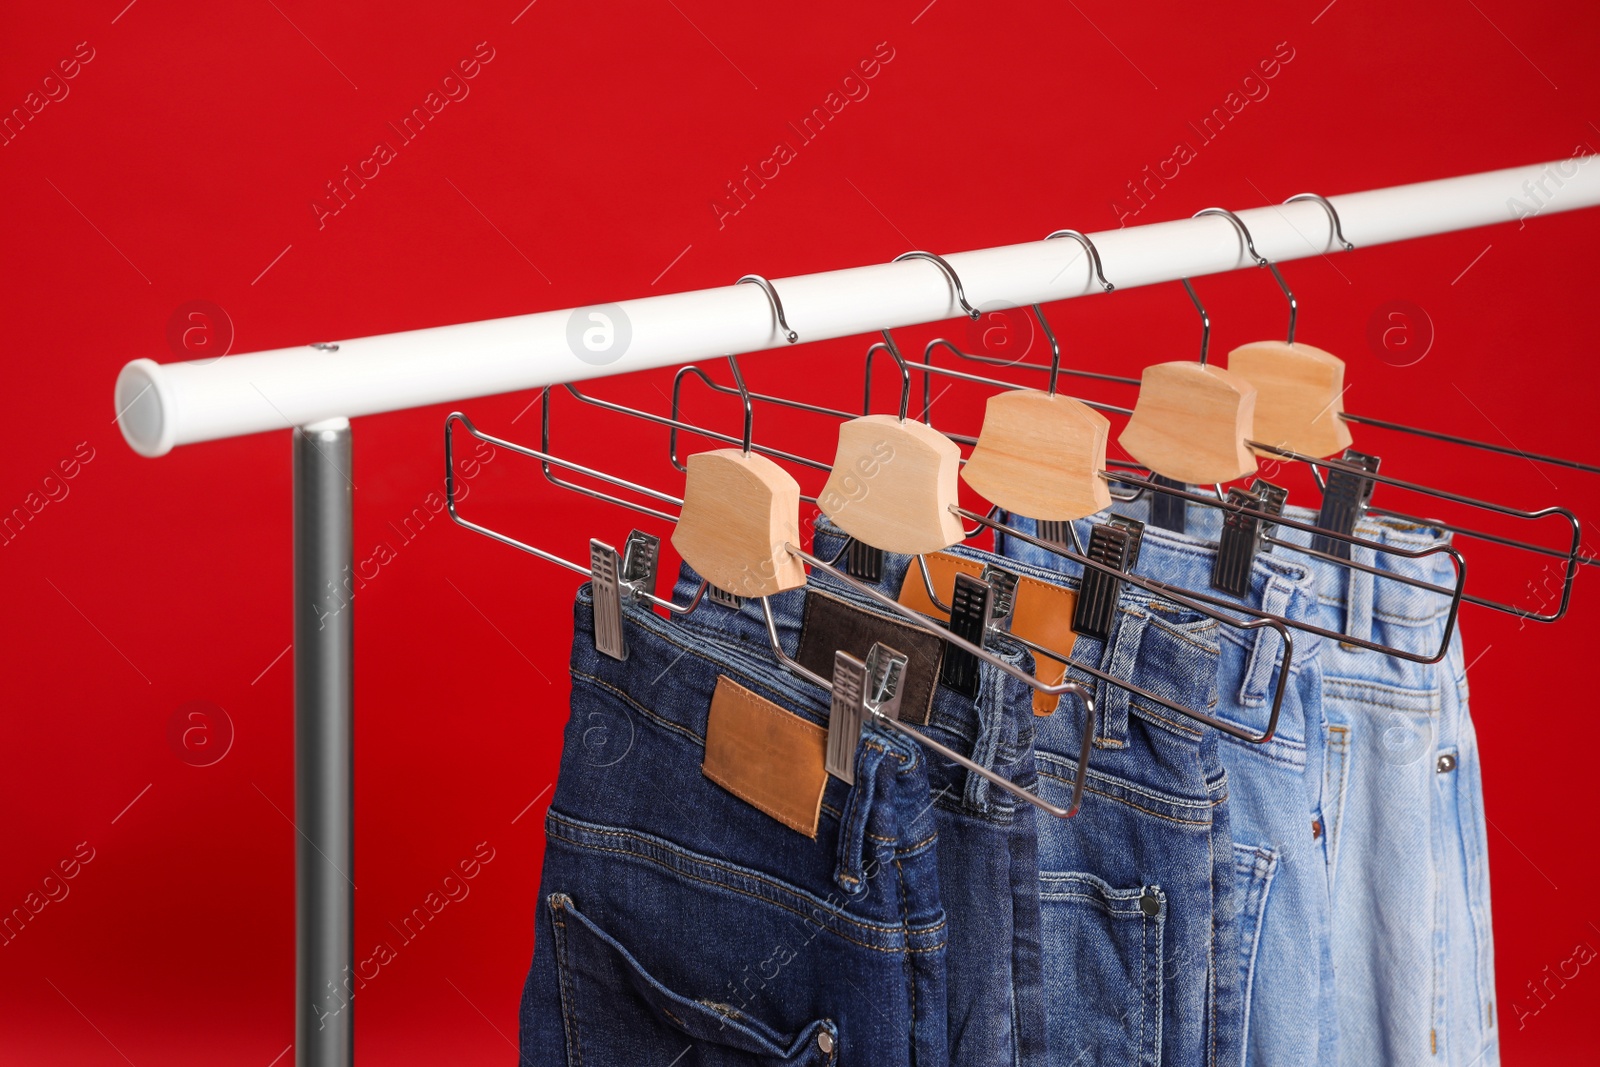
x=689, y=427
x=928, y=368
x=1571, y=555
x=1364, y=420
x=551, y=557
x=948, y=753
x=1487, y=446
x=1106, y=676
x=729, y=390
x=1177, y=596
x=1583, y=561
x=1456, y=595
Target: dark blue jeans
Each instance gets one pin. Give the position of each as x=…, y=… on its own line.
x=988, y=840
x=1138, y=888
x=678, y=924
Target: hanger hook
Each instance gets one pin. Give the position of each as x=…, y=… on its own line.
x=777, y=307
x=1261, y=261
x=744, y=396
x=950, y=273
x=887, y=345
x=1205, y=322
x=1333, y=216
x=1038, y=312
x=1094, y=254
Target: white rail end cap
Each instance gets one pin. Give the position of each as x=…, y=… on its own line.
x=144, y=408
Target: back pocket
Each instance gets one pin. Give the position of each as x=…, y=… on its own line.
x=615, y=1012
x=1102, y=963
x=1253, y=870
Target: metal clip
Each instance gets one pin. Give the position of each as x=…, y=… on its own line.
x=886, y=670
x=1237, y=547
x=845, y=714
x=1135, y=530
x=723, y=597
x=1054, y=531
x=641, y=555
x=864, y=561
x=1273, y=500
x=605, y=568
x=1115, y=544
x=860, y=690
x=971, y=606
x=1004, y=584
x=1166, y=511
x=1344, y=499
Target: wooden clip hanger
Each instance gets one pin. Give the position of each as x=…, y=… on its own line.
x=1041, y=453
x=1191, y=421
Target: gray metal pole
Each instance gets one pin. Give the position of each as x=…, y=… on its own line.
x=324, y=766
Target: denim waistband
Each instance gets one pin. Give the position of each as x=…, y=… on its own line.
x=1165, y=648
x=992, y=728
x=667, y=681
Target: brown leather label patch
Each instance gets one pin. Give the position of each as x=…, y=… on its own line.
x=1042, y=614
x=831, y=625
x=767, y=756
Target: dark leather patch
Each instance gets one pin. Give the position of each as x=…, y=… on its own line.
x=767, y=756
x=831, y=625
x=1042, y=614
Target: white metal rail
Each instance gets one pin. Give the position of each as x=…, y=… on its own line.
x=162, y=405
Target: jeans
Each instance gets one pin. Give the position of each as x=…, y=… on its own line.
x=1284, y=953
x=1403, y=800
x=678, y=924
x=988, y=840
x=1136, y=891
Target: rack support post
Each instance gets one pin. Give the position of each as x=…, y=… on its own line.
x=324, y=766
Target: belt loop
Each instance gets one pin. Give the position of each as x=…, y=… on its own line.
x=990, y=709
x=1120, y=660
x=1358, y=595
x=851, y=874
x=1268, y=646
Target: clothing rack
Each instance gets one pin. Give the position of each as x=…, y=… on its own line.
x=314, y=390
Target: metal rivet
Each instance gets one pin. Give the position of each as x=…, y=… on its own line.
x=1316, y=829
x=1447, y=763
x=825, y=1042
x=1149, y=903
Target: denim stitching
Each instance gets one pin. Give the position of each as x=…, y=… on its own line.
x=1132, y=787
x=688, y=857
x=569, y=1008
x=1087, y=788
x=923, y=932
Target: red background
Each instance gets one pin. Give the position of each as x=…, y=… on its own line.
x=581, y=169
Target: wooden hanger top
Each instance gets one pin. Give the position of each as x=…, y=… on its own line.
x=1191, y=422
x=893, y=485
x=1300, y=395
x=1040, y=455
x=739, y=511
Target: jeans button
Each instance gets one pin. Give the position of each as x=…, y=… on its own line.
x=825, y=1042
x=1447, y=763
x=1149, y=903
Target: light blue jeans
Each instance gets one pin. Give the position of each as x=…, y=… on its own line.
x=1283, y=956
x=1403, y=803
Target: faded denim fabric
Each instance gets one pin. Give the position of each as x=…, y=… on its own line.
x=1407, y=839
x=1285, y=961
